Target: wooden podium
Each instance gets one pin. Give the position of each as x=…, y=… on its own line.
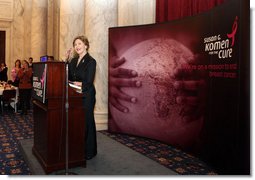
x=49, y=113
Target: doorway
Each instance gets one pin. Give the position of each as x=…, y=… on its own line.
x=2, y=46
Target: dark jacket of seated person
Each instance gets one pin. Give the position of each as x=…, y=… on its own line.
x=3, y=72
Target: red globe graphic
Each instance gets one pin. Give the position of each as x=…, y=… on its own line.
x=156, y=114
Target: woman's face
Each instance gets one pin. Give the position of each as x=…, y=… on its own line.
x=80, y=47
x=17, y=64
x=24, y=65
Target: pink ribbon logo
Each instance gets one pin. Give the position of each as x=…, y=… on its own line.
x=233, y=33
x=43, y=77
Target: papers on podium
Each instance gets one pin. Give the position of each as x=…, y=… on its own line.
x=76, y=88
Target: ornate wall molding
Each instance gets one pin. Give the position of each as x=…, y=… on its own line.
x=6, y=10
x=4, y=24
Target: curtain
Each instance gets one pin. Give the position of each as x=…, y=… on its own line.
x=167, y=10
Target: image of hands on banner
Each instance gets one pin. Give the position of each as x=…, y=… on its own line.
x=150, y=94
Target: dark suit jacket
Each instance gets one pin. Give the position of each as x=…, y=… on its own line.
x=84, y=72
x=3, y=74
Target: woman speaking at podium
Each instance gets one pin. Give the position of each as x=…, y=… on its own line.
x=82, y=68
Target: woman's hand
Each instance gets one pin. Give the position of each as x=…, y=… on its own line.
x=69, y=54
x=77, y=83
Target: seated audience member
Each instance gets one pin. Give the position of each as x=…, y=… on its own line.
x=9, y=82
x=50, y=58
x=3, y=72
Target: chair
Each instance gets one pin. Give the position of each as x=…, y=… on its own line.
x=7, y=98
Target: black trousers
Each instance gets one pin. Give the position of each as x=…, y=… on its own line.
x=24, y=97
x=90, y=131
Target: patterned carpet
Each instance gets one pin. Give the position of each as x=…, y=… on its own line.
x=14, y=127
x=166, y=155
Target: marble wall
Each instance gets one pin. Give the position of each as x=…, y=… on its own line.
x=40, y=27
x=99, y=16
x=71, y=24
x=50, y=27
x=136, y=12
x=18, y=33
x=27, y=16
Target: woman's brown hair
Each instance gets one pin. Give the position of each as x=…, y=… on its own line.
x=84, y=39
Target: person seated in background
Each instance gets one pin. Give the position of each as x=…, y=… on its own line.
x=9, y=82
x=3, y=72
x=50, y=58
x=30, y=61
x=25, y=86
x=14, y=73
